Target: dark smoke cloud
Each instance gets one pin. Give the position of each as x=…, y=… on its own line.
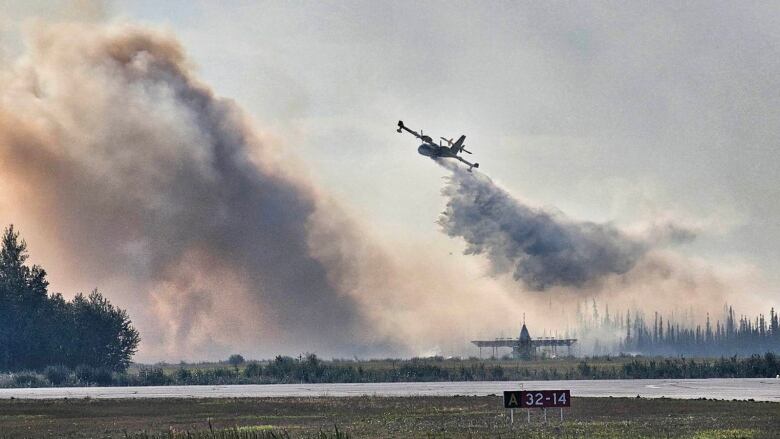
x=540, y=248
x=141, y=173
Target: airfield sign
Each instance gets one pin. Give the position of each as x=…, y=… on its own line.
x=516, y=399
x=542, y=399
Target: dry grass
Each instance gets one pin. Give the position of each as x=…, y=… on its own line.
x=455, y=417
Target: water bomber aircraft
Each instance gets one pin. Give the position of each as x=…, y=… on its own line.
x=431, y=149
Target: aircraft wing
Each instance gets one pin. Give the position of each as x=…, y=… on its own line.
x=420, y=135
x=458, y=146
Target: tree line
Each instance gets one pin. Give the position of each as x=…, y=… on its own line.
x=39, y=329
x=312, y=369
x=676, y=335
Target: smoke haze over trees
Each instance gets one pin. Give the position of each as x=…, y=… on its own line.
x=636, y=331
x=38, y=329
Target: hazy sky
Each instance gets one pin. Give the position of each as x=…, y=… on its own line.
x=632, y=113
x=629, y=112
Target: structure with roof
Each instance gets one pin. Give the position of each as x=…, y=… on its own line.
x=525, y=347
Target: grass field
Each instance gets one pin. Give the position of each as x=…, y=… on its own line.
x=372, y=417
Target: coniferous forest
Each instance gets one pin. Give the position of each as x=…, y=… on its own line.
x=39, y=328
x=684, y=334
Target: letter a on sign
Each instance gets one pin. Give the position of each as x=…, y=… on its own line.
x=512, y=398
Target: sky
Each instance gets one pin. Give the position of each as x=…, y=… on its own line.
x=634, y=115
x=608, y=113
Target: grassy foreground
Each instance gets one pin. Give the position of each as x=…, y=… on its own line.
x=372, y=417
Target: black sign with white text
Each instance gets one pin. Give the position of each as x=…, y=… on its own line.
x=514, y=399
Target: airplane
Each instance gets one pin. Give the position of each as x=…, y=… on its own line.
x=432, y=150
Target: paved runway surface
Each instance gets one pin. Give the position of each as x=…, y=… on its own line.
x=759, y=389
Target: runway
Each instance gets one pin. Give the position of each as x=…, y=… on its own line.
x=759, y=389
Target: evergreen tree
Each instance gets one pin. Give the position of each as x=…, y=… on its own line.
x=105, y=336
x=23, y=300
x=37, y=329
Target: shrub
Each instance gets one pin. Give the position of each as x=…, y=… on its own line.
x=84, y=374
x=497, y=373
x=102, y=376
x=153, y=376
x=235, y=360
x=57, y=374
x=28, y=379
x=183, y=376
x=253, y=369
x=126, y=379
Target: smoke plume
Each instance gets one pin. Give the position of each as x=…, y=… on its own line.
x=542, y=249
x=144, y=178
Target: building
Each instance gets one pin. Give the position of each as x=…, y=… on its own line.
x=525, y=347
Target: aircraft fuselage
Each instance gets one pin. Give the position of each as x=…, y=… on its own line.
x=434, y=151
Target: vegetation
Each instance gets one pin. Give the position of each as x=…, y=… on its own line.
x=311, y=369
x=236, y=360
x=252, y=432
x=382, y=417
x=677, y=335
x=48, y=341
x=39, y=330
